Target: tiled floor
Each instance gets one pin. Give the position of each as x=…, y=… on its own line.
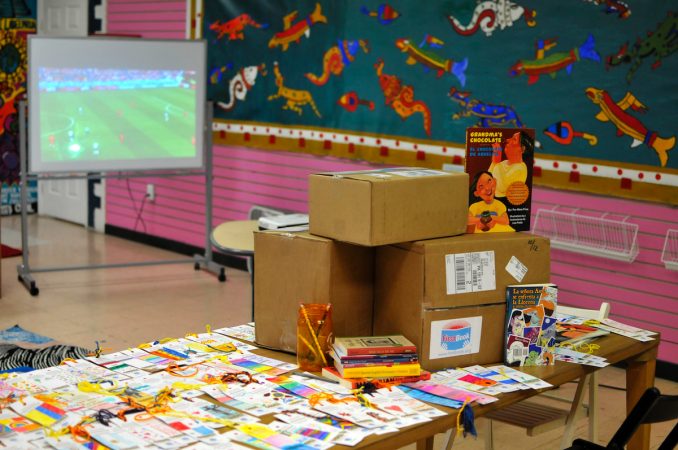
x=124, y=307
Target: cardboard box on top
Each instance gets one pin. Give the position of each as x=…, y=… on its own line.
x=387, y=206
x=450, y=337
x=294, y=268
x=458, y=271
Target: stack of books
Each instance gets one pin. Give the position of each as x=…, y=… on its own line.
x=385, y=358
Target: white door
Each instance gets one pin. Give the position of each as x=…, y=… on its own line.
x=63, y=199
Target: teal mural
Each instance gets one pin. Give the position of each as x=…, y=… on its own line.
x=594, y=78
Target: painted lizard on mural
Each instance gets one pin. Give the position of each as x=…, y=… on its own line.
x=337, y=58
x=234, y=28
x=489, y=115
x=295, y=98
x=626, y=124
x=490, y=15
x=401, y=98
x=659, y=43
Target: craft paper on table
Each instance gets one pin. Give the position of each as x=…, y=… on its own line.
x=244, y=332
x=14, y=423
x=430, y=398
x=455, y=337
x=451, y=392
x=43, y=413
x=293, y=386
x=521, y=377
x=220, y=342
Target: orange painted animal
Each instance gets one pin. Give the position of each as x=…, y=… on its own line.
x=401, y=98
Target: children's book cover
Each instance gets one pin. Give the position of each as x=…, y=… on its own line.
x=531, y=327
x=499, y=164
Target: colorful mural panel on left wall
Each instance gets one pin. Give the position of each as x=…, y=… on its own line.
x=17, y=21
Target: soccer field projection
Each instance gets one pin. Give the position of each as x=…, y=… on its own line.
x=92, y=118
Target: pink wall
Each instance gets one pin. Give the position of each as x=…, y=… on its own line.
x=642, y=293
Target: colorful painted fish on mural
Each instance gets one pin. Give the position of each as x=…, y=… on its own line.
x=551, y=64
x=614, y=7
x=350, y=102
x=241, y=84
x=295, y=98
x=628, y=125
x=563, y=133
x=217, y=74
x=234, y=28
x=385, y=14
x=660, y=43
x=337, y=58
x=401, y=98
x=431, y=60
x=490, y=15
x=489, y=115
x=293, y=32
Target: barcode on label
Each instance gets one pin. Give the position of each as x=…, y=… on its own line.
x=519, y=353
x=460, y=272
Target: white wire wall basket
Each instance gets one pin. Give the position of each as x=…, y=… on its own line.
x=591, y=235
x=670, y=251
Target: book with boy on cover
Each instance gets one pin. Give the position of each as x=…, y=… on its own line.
x=373, y=345
x=499, y=164
x=531, y=324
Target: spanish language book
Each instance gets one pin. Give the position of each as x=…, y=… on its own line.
x=531, y=324
x=373, y=345
x=499, y=164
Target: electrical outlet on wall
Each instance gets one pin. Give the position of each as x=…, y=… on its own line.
x=150, y=192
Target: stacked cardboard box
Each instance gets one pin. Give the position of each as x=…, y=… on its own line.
x=402, y=234
x=448, y=295
x=368, y=208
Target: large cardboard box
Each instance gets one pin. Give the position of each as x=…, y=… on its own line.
x=294, y=268
x=450, y=337
x=387, y=206
x=458, y=271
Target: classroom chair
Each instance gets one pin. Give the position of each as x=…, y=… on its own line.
x=653, y=407
x=539, y=418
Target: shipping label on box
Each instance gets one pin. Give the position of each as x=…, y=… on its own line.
x=470, y=272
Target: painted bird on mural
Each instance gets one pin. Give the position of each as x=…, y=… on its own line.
x=563, y=133
x=350, y=102
x=431, y=60
x=293, y=32
x=551, y=64
x=385, y=14
x=626, y=124
x=337, y=58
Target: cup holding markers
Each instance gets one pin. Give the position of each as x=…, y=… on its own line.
x=314, y=336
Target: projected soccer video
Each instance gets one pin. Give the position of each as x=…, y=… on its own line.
x=89, y=114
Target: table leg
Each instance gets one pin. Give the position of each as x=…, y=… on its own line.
x=640, y=377
x=425, y=444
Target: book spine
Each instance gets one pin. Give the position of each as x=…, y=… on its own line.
x=379, y=350
x=352, y=364
x=381, y=372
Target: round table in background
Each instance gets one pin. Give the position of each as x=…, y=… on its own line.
x=237, y=238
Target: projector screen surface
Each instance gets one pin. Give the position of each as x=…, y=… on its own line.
x=112, y=104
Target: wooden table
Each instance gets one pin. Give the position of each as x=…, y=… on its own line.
x=640, y=358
